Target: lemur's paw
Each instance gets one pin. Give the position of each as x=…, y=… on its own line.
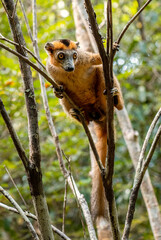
x=114, y=91
x=116, y=46
x=75, y=113
x=59, y=91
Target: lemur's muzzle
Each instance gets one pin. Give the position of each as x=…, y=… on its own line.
x=69, y=69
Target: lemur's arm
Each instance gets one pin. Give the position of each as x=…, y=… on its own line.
x=88, y=58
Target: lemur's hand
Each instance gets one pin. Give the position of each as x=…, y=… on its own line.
x=114, y=91
x=58, y=91
x=116, y=46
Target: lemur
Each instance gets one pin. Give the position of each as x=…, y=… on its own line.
x=81, y=75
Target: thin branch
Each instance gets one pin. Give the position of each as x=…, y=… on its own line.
x=64, y=205
x=26, y=20
x=32, y=216
x=140, y=172
x=16, y=44
x=21, y=212
x=14, y=10
x=141, y=28
x=30, y=64
x=23, y=200
x=146, y=141
x=77, y=200
x=14, y=136
x=131, y=139
x=131, y=21
x=151, y=151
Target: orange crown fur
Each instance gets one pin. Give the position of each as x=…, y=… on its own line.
x=65, y=44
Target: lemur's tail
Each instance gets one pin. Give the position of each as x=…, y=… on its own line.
x=98, y=200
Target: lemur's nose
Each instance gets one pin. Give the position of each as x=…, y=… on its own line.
x=70, y=69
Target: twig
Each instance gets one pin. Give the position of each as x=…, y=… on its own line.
x=26, y=20
x=14, y=9
x=23, y=200
x=21, y=212
x=64, y=205
x=141, y=28
x=30, y=215
x=131, y=21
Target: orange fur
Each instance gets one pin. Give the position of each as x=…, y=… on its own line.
x=59, y=45
x=85, y=86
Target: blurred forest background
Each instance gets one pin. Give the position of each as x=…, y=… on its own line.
x=138, y=68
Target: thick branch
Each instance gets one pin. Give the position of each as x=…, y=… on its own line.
x=34, y=169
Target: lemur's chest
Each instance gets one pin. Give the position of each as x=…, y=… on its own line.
x=80, y=86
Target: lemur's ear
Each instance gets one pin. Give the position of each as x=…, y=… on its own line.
x=77, y=43
x=49, y=47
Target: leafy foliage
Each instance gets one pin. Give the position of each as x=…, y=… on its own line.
x=137, y=66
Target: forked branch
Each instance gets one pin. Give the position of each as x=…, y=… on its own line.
x=140, y=172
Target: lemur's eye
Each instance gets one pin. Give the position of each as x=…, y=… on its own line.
x=75, y=56
x=61, y=56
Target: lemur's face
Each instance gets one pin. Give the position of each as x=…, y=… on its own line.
x=66, y=59
x=63, y=53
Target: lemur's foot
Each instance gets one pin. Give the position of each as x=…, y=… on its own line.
x=59, y=91
x=116, y=46
x=75, y=113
